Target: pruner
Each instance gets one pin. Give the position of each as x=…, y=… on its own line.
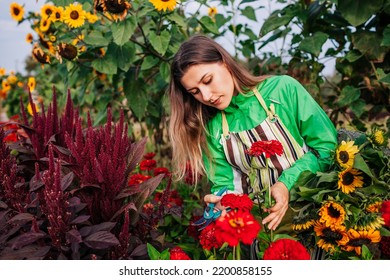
x=210, y=213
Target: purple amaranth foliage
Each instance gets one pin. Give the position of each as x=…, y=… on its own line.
x=47, y=127
x=99, y=157
x=12, y=187
x=56, y=206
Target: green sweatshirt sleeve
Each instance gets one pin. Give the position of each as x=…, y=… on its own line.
x=311, y=124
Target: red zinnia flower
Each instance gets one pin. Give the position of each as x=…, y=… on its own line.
x=385, y=209
x=149, y=155
x=161, y=170
x=208, y=239
x=237, y=201
x=177, y=253
x=137, y=179
x=147, y=164
x=270, y=148
x=286, y=249
x=237, y=226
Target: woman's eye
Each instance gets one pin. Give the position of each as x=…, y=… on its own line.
x=193, y=92
x=208, y=81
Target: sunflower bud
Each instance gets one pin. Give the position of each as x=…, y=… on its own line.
x=116, y=7
x=67, y=51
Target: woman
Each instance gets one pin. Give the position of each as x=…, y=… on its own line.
x=218, y=109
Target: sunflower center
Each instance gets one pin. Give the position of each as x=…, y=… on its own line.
x=348, y=178
x=48, y=12
x=238, y=222
x=344, y=156
x=16, y=11
x=330, y=235
x=116, y=6
x=379, y=137
x=74, y=15
x=57, y=15
x=333, y=212
x=359, y=242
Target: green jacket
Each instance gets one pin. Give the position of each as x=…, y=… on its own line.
x=299, y=112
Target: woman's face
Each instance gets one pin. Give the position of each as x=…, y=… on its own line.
x=211, y=84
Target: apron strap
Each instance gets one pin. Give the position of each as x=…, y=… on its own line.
x=271, y=111
x=225, y=126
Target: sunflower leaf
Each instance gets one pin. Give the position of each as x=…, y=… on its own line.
x=360, y=164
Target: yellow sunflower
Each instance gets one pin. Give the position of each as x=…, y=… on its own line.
x=47, y=10
x=29, y=38
x=345, y=154
x=359, y=238
x=2, y=71
x=53, y=38
x=57, y=14
x=302, y=223
x=31, y=83
x=12, y=79
x=330, y=237
x=92, y=18
x=67, y=51
x=74, y=15
x=332, y=214
x=5, y=85
x=212, y=11
x=369, y=221
x=17, y=11
x=374, y=207
x=349, y=180
x=30, y=108
x=40, y=56
x=44, y=24
x=160, y=5
x=118, y=8
x=20, y=84
x=378, y=137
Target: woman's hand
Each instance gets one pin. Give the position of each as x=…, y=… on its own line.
x=211, y=198
x=281, y=195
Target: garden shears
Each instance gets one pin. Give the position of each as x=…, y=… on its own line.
x=210, y=213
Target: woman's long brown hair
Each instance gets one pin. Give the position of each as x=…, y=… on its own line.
x=188, y=117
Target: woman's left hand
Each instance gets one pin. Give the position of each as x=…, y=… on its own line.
x=281, y=195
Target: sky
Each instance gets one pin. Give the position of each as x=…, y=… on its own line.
x=13, y=46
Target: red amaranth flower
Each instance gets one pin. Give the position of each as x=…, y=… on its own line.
x=237, y=201
x=208, y=239
x=286, y=249
x=270, y=148
x=174, y=198
x=193, y=230
x=147, y=164
x=237, y=226
x=177, y=253
x=137, y=179
x=385, y=209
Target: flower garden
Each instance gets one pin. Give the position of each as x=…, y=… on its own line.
x=85, y=160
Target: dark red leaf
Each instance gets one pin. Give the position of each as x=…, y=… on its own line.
x=73, y=236
x=26, y=239
x=101, y=240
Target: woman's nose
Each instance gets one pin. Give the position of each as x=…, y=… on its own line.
x=206, y=94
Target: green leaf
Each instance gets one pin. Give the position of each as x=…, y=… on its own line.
x=277, y=19
x=165, y=255
x=386, y=36
x=106, y=65
x=135, y=94
x=327, y=177
x=152, y=252
x=96, y=38
x=176, y=18
x=160, y=42
x=149, y=62
x=124, y=55
x=359, y=163
x=207, y=23
x=358, y=107
x=165, y=71
x=366, y=254
x=123, y=30
x=369, y=43
x=249, y=12
x=358, y=12
x=313, y=44
x=385, y=79
x=353, y=55
x=348, y=95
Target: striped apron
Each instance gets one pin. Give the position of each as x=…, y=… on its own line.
x=236, y=143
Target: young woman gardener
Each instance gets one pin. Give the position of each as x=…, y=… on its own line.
x=218, y=109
